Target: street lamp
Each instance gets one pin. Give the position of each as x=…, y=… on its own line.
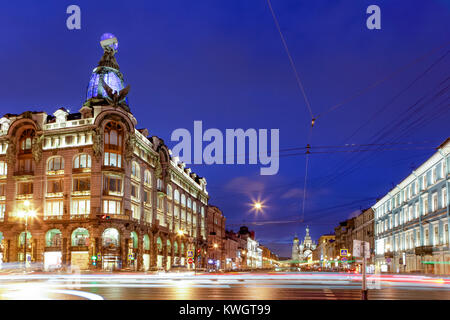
x=25, y=214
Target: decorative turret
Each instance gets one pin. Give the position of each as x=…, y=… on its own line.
x=106, y=86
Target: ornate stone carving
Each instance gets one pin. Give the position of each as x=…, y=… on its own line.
x=37, y=148
x=158, y=169
x=97, y=139
x=11, y=152
x=129, y=147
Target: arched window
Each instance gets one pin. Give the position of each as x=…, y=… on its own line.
x=203, y=212
x=25, y=141
x=25, y=157
x=194, y=206
x=189, y=203
x=55, y=163
x=53, y=238
x=135, y=170
x=80, y=237
x=169, y=191
x=159, y=185
x=148, y=178
x=82, y=161
x=22, y=239
x=110, y=237
x=134, y=238
x=183, y=200
x=113, y=144
x=169, y=246
x=159, y=244
x=146, y=242
x=176, y=195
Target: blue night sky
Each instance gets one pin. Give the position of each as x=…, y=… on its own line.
x=223, y=62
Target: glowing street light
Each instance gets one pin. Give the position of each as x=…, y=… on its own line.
x=257, y=206
x=180, y=232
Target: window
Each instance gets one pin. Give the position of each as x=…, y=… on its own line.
x=160, y=203
x=445, y=233
x=25, y=188
x=3, y=168
x=159, y=184
x=25, y=141
x=148, y=216
x=135, y=191
x=416, y=210
x=169, y=191
x=80, y=207
x=183, y=200
x=2, y=211
x=111, y=207
x=436, y=236
x=55, y=164
x=135, y=212
x=147, y=198
x=426, y=237
x=176, y=196
x=148, y=178
x=434, y=203
x=189, y=203
x=55, y=186
x=82, y=184
x=444, y=197
x=425, y=205
x=434, y=175
x=112, y=185
x=113, y=144
x=176, y=212
x=135, y=170
x=2, y=189
x=54, y=208
x=82, y=161
x=25, y=165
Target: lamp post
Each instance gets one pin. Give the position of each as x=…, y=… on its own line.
x=25, y=214
x=215, y=245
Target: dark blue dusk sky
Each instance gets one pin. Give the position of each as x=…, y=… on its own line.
x=223, y=62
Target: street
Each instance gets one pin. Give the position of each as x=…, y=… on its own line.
x=232, y=286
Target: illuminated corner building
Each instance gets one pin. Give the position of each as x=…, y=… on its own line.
x=216, y=238
x=411, y=221
x=102, y=189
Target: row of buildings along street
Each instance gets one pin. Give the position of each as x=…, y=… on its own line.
x=407, y=228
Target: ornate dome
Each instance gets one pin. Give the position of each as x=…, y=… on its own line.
x=108, y=71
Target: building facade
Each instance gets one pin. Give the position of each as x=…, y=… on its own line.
x=216, y=237
x=99, y=186
x=364, y=226
x=411, y=221
x=325, y=250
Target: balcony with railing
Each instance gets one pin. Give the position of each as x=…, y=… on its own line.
x=68, y=124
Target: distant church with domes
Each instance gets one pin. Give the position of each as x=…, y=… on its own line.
x=303, y=251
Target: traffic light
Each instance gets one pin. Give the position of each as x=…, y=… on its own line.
x=105, y=217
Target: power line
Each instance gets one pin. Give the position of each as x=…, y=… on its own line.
x=389, y=76
x=297, y=77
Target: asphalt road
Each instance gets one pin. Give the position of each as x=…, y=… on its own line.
x=272, y=286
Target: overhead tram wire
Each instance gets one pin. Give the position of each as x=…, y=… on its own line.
x=354, y=165
x=389, y=76
x=378, y=112
x=302, y=89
